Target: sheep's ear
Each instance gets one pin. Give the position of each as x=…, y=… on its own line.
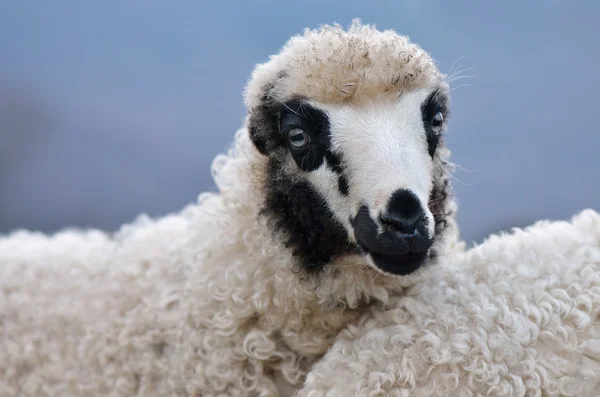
x=263, y=127
x=258, y=138
x=263, y=119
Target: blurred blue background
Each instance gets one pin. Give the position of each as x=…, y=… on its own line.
x=113, y=108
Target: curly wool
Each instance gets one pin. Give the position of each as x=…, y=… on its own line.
x=336, y=65
x=518, y=315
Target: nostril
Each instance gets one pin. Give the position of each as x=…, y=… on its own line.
x=403, y=225
x=404, y=212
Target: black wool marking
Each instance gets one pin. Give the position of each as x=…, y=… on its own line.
x=298, y=212
x=262, y=125
x=295, y=210
x=333, y=161
x=270, y=125
x=335, y=164
x=438, y=200
x=436, y=102
x=441, y=194
x=297, y=114
x=343, y=185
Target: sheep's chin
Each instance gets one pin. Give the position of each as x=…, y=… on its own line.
x=396, y=265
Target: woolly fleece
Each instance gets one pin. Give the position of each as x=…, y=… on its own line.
x=518, y=315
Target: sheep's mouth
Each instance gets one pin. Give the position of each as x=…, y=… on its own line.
x=397, y=264
x=390, y=252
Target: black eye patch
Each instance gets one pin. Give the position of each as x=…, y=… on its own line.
x=435, y=103
x=298, y=115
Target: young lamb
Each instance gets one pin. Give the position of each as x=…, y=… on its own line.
x=333, y=203
x=336, y=185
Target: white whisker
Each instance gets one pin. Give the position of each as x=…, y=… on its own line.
x=455, y=62
x=460, y=86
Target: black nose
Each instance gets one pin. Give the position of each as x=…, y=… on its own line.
x=403, y=213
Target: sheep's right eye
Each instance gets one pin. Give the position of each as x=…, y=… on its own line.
x=298, y=138
x=436, y=122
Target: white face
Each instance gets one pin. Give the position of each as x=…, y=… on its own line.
x=384, y=148
x=366, y=170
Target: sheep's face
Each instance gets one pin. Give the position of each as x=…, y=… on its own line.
x=360, y=177
x=351, y=124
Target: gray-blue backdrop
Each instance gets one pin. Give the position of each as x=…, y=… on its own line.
x=113, y=108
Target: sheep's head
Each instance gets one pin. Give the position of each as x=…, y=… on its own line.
x=351, y=123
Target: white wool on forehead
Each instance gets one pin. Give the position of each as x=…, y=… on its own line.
x=333, y=65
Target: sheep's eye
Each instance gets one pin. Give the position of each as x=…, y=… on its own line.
x=298, y=138
x=436, y=122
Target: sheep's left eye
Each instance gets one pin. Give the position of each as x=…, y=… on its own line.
x=298, y=138
x=436, y=122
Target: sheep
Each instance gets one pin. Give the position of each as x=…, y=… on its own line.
x=333, y=202
x=241, y=292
